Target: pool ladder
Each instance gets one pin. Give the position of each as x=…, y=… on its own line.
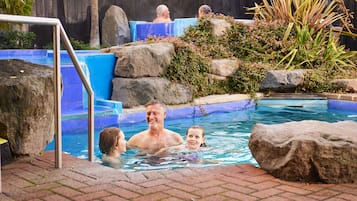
x=59, y=33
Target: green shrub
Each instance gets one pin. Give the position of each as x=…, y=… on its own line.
x=318, y=81
x=14, y=7
x=16, y=40
x=189, y=67
x=260, y=42
x=247, y=78
x=206, y=43
x=76, y=44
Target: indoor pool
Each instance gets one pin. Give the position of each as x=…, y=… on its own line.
x=227, y=135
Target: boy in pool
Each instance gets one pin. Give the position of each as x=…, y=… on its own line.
x=112, y=143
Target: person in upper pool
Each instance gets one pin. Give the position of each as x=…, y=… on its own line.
x=162, y=14
x=112, y=143
x=156, y=137
x=204, y=10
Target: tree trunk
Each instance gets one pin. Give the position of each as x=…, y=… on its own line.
x=94, y=31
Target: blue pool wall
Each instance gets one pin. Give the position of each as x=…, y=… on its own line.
x=342, y=105
x=100, y=70
x=141, y=30
x=190, y=111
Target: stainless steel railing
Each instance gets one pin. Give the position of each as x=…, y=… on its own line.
x=59, y=33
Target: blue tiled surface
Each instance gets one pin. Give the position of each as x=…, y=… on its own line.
x=181, y=24
x=72, y=89
x=140, y=30
x=191, y=111
x=14, y=53
x=132, y=25
x=293, y=103
x=101, y=72
x=342, y=105
x=143, y=31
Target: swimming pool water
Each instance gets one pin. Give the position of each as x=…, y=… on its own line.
x=227, y=135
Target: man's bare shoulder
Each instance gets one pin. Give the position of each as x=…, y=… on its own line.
x=174, y=135
x=135, y=139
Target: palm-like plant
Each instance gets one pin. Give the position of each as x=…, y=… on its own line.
x=15, y=7
x=315, y=44
x=316, y=14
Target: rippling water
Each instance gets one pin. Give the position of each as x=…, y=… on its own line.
x=227, y=136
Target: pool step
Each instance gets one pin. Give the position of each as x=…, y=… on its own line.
x=293, y=102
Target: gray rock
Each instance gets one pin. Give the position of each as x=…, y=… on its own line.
x=348, y=85
x=219, y=26
x=134, y=92
x=282, y=80
x=143, y=60
x=115, y=27
x=26, y=106
x=224, y=67
x=307, y=151
x=212, y=77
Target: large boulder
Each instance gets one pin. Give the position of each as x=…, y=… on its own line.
x=311, y=151
x=282, y=80
x=115, y=27
x=26, y=106
x=143, y=60
x=134, y=92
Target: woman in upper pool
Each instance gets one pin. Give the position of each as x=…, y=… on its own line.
x=112, y=143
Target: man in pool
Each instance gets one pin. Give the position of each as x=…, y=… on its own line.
x=156, y=136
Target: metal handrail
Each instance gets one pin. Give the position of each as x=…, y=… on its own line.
x=58, y=33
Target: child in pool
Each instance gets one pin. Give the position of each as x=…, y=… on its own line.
x=112, y=143
x=195, y=139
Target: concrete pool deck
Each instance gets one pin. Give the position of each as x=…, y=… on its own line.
x=37, y=179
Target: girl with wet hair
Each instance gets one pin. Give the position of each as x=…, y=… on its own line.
x=112, y=143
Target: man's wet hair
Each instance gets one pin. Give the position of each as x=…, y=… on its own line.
x=156, y=102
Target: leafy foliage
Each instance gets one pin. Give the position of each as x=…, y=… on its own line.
x=15, y=7
x=261, y=42
x=318, y=81
x=308, y=39
x=188, y=66
x=76, y=44
x=207, y=43
x=16, y=40
x=315, y=14
x=247, y=79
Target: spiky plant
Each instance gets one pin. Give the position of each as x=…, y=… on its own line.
x=316, y=14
